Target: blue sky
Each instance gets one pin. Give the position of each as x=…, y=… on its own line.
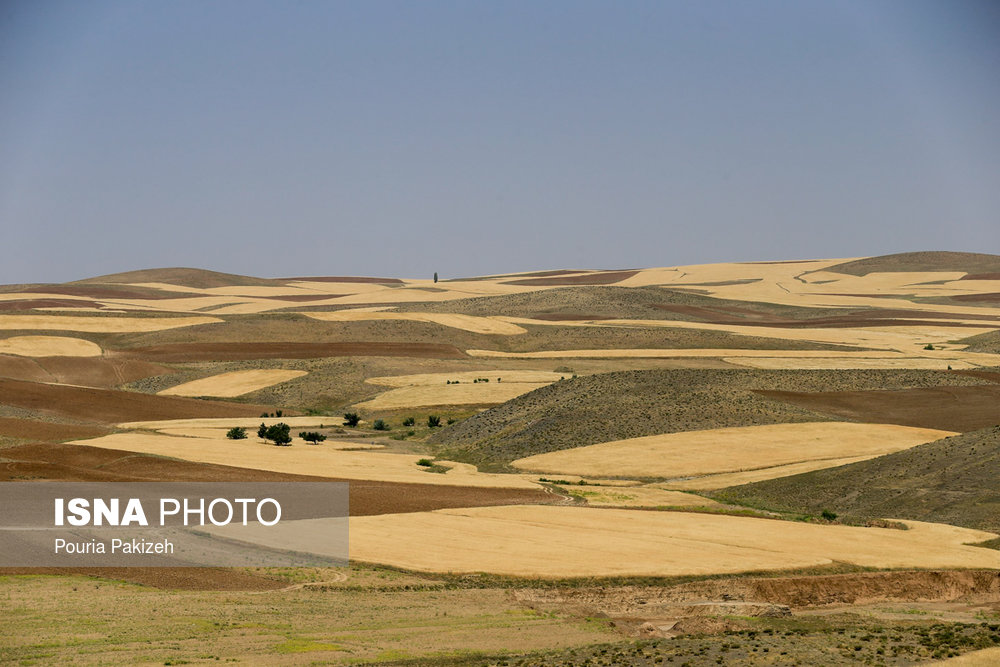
x=403, y=138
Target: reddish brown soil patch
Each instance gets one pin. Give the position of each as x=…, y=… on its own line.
x=87, y=371
x=560, y=317
x=346, y=279
x=81, y=463
x=97, y=372
x=181, y=352
x=597, y=278
x=110, y=406
x=945, y=408
x=30, y=304
x=981, y=276
x=32, y=429
x=23, y=368
x=989, y=376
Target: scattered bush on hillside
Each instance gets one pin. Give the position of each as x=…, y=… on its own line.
x=828, y=515
x=279, y=434
x=433, y=421
x=380, y=425
x=929, y=346
x=427, y=463
x=351, y=419
x=312, y=436
x=236, y=433
x=409, y=421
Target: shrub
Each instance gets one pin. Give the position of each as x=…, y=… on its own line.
x=312, y=436
x=236, y=433
x=409, y=421
x=928, y=346
x=278, y=413
x=351, y=419
x=451, y=421
x=427, y=463
x=380, y=425
x=433, y=421
x=279, y=434
x=828, y=515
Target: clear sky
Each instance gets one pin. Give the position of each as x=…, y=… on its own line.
x=401, y=138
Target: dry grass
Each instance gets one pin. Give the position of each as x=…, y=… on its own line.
x=561, y=541
x=49, y=346
x=698, y=453
x=235, y=383
x=300, y=459
x=99, y=324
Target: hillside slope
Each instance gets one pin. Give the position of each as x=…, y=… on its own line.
x=953, y=480
x=969, y=262
x=182, y=276
x=613, y=406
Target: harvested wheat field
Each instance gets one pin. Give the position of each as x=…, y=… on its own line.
x=637, y=496
x=480, y=325
x=88, y=324
x=235, y=383
x=563, y=541
x=187, y=352
x=302, y=459
x=74, y=462
x=49, y=346
x=726, y=479
x=698, y=453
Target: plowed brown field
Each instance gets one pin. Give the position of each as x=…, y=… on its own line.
x=109, y=406
x=945, y=408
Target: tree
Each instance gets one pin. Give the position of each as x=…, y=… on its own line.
x=279, y=434
x=433, y=421
x=409, y=421
x=435, y=276
x=312, y=436
x=262, y=431
x=380, y=425
x=236, y=433
x=351, y=419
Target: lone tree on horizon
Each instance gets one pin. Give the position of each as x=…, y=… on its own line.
x=435, y=276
